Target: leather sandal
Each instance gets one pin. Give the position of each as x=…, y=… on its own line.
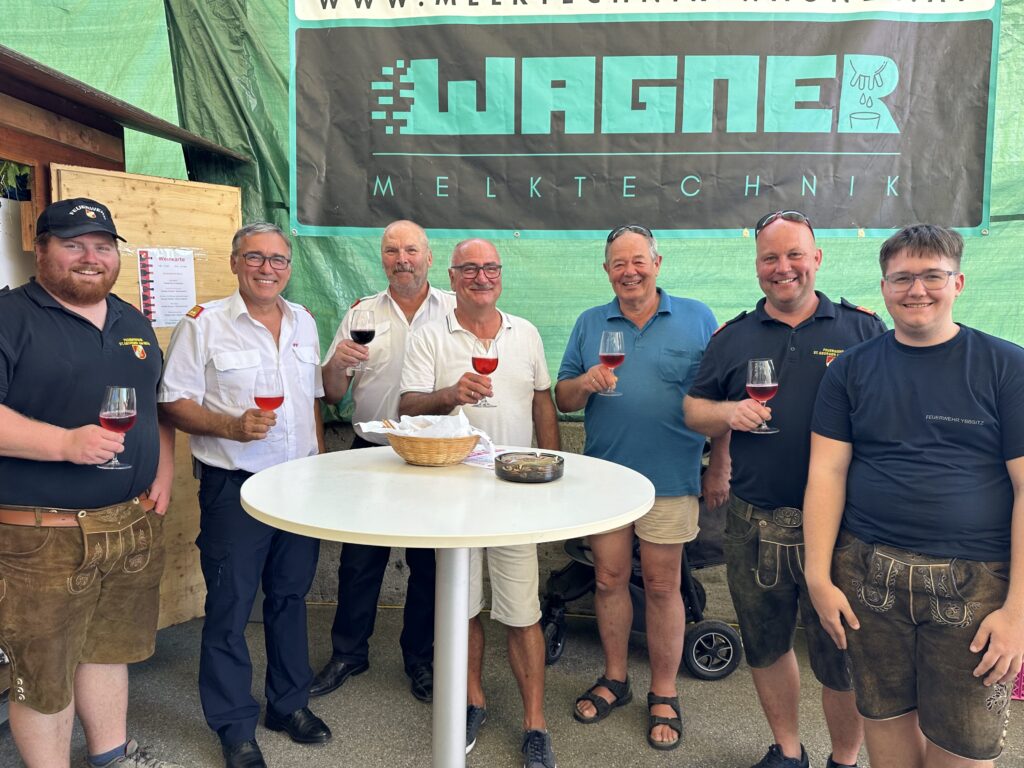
x=675, y=723
x=619, y=688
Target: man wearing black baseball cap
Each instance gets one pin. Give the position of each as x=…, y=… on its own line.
x=82, y=550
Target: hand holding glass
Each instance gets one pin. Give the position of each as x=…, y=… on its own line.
x=762, y=385
x=485, y=362
x=117, y=413
x=362, y=331
x=612, y=354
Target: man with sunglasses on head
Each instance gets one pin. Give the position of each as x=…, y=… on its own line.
x=915, y=510
x=409, y=302
x=802, y=331
x=664, y=338
x=438, y=378
x=208, y=391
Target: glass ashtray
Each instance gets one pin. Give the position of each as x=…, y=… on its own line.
x=523, y=467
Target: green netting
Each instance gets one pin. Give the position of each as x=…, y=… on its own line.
x=231, y=64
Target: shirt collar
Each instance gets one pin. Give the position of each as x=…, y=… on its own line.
x=237, y=308
x=824, y=309
x=613, y=309
x=453, y=322
x=44, y=298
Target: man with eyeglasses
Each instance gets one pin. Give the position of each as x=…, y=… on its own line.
x=915, y=509
x=438, y=378
x=664, y=338
x=803, y=332
x=208, y=391
x=409, y=302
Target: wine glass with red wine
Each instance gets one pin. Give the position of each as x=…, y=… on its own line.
x=762, y=384
x=363, y=330
x=117, y=413
x=612, y=354
x=269, y=392
x=485, y=362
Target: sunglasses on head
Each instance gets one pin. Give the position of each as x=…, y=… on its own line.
x=796, y=216
x=639, y=229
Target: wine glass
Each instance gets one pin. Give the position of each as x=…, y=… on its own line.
x=485, y=362
x=269, y=392
x=363, y=330
x=762, y=384
x=611, y=355
x=117, y=413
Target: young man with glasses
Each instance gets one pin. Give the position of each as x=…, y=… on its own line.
x=208, y=391
x=664, y=338
x=915, y=509
x=438, y=378
x=803, y=332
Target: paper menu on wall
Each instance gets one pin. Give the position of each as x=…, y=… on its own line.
x=167, y=284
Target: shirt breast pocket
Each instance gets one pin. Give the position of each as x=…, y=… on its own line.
x=306, y=362
x=236, y=375
x=678, y=366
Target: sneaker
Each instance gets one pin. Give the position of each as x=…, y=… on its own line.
x=833, y=764
x=136, y=757
x=475, y=717
x=775, y=759
x=536, y=750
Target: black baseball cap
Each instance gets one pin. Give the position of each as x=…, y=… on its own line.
x=77, y=216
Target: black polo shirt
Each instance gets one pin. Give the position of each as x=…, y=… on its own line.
x=54, y=367
x=771, y=470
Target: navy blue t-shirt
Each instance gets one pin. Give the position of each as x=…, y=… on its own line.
x=932, y=429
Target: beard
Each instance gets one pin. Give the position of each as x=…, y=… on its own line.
x=67, y=286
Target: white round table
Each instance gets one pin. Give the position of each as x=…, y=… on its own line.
x=372, y=496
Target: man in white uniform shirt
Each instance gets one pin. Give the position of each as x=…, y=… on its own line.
x=438, y=379
x=208, y=391
x=408, y=303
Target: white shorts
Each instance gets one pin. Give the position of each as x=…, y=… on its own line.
x=515, y=584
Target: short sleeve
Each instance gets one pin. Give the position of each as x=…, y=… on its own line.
x=343, y=333
x=184, y=375
x=6, y=368
x=1011, y=406
x=832, y=407
x=418, y=374
x=572, y=359
x=709, y=384
x=541, y=375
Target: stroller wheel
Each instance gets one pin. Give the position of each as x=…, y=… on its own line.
x=554, y=640
x=712, y=650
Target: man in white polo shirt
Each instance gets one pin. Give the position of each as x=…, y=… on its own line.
x=408, y=303
x=438, y=378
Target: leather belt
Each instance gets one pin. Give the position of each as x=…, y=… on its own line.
x=786, y=517
x=52, y=517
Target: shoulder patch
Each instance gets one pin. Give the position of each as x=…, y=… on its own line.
x=195, y=312
x=727, y=323
x=850, y=305
x=308, y=311
x=363, y=298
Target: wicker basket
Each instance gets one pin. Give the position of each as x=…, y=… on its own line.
x=433, y=451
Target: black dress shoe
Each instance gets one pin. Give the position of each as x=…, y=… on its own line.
x=301, y=725
x=422, y=678
x=334, y=674
x=245, y=754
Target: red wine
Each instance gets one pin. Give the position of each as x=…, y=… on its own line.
x=612, y=361
x=762, y=392
x=268, y=402
x=117, y=422
x=363, y=337
x=485, y=366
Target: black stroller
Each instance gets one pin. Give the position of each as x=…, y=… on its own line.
x=712, y=649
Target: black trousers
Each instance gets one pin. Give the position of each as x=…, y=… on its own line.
x=237, y=554
x=360, y=575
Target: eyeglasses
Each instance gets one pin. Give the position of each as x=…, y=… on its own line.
x=639, y=229
x=470, y=271
x=796, y=216
x=932, y=280
x=258, y=260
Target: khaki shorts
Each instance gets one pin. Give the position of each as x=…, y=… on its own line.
x=672, y=520
x=515, y=585
x=68, y=596
x=918, y=615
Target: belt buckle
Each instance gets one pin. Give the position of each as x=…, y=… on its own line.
x=787, y=517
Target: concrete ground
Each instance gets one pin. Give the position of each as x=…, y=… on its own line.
x=376, y=722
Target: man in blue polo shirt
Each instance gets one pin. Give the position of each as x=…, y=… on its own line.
x=643, y=429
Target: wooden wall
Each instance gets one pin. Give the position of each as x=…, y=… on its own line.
x=156, y=212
